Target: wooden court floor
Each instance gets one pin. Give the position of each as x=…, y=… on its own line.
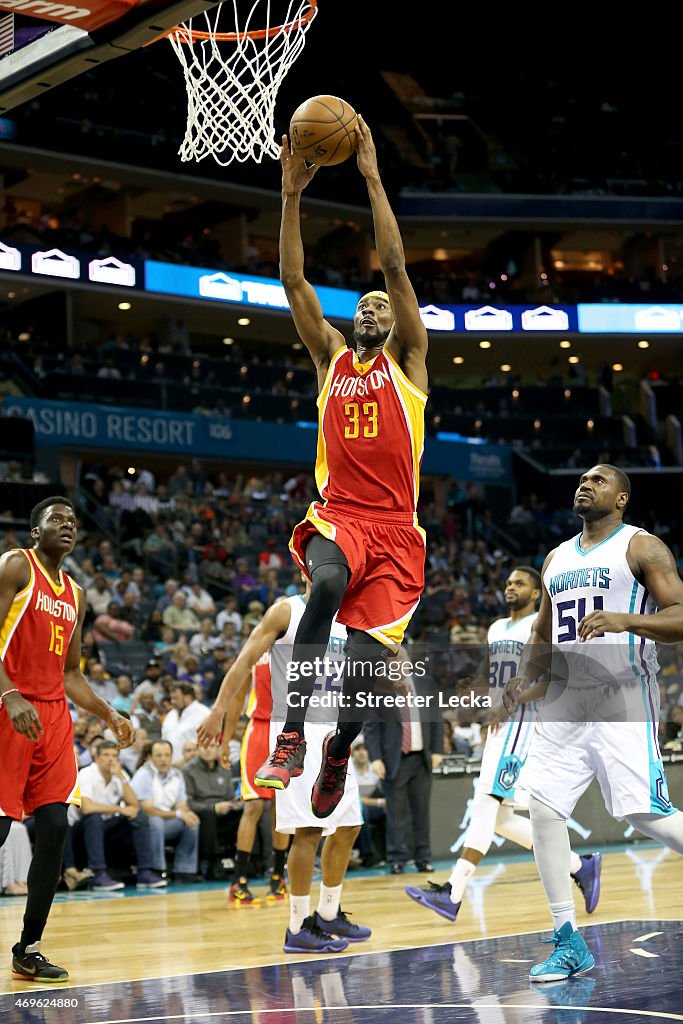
x=185, y=931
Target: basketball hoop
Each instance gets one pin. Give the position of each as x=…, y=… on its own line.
x=233, y=74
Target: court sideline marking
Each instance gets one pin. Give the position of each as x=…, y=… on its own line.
x=658, y=1015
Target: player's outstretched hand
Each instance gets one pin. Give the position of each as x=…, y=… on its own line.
x=600, y=622
x=497, y=716
x=210, y=728
x=23, y=716
x=511, y=692
x=365, y=151
x=296, y=173
x=122, y=728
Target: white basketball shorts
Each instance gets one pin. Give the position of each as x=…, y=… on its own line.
x=624, y=757
x=505, y=752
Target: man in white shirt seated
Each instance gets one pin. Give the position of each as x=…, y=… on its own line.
x=110, y=814
x=229, y=613
x=160, y=788
x=182, y=720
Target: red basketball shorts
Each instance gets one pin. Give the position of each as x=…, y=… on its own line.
x=386, y=555
x=255, y=751
x=34, y=774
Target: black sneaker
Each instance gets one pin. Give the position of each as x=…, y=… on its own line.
x=342, y=927
x=312, y=939
x=31, y=965
x=328, y=788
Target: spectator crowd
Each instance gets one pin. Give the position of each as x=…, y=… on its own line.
x=177, y=573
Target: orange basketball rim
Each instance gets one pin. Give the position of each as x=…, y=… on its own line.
x=184, y=34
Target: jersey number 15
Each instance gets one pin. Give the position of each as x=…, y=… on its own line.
x=56, y=639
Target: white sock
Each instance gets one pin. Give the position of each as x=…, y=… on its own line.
x=563, y=912
x=328, y=904
x=574, y=863
x=299, y=909
x=460, y=876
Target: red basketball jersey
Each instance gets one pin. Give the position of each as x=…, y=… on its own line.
x=35, y=637
x=370, y=435
x=260, y=703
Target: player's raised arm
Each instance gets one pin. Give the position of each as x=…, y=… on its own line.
x=272, y=626
x=408, y=340
x=653, y=564
x=319, y=337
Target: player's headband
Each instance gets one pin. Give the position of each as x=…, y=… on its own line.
x=374, y=295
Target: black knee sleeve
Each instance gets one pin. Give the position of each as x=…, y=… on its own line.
x=329, y=573
x=365, y=672
x=51, y=824
x=5, y=825
x=45, y=870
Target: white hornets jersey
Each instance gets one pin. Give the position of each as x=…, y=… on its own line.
x=506, y=640
x=328, y=680
x=580, y=582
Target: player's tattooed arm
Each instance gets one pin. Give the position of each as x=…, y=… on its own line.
x=653, y=564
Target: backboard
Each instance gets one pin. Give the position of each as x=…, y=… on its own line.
x=43, y=44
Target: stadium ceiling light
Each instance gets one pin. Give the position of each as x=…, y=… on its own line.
x=643, y=344
x=228, y=341
x=505, y=367
x=484, y=344
x=124, y=305
x=565, y=344
x=574, y=359
x=244, y=321
x=617, y=367
x=458, y=360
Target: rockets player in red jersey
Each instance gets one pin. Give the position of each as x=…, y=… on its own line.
x=361, y=546
x=41, y=617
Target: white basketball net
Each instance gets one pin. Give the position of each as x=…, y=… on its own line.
x=232, y=84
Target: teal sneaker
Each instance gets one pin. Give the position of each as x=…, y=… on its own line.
x=570, y=957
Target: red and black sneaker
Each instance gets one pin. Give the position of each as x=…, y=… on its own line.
x=285, y=763
x=328, y=788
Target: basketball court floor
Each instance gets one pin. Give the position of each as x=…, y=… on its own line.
x=183, y=955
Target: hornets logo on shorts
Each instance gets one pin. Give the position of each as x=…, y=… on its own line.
x=661, y=792
x=508, y=773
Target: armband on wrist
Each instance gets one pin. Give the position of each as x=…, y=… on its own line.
x=178, y=814
x=3, y=695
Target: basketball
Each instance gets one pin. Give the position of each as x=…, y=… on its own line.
x=323, y=130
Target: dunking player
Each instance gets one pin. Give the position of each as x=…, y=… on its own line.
x=328, y=929
x=608, y=595
x=41, y=617
x=504, y=756
x=361, y=547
